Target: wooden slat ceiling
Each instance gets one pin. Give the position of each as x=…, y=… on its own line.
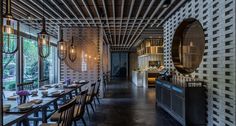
x=123, y=21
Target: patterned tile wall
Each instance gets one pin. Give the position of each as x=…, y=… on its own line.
x=218, y=64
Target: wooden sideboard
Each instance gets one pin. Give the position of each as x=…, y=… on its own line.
x=187, y=104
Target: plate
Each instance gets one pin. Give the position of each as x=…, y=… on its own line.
x=48, y=86
x=43, y=88
x=12, y=97
x=55, y=93
x=82, y=81
x=25, y=106
x=36, y=101
x=6, y=107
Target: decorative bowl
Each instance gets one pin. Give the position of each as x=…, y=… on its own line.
x=44, y=93
x=6, y=107
x=25, y=106
x=55, y=93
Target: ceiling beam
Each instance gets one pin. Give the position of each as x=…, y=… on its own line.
x=57, y=6
x=34, y=12
x=130, y=11
x=104, y=32
x=159, y=6
x=139, y=10
x=104, y=7
x=91, y=16
x=81, y=13
x=122, y=15
x=171, y=12
x=128, y=41
x=71, y=11
x=42, y=9
x=114, y=17
x=51, y=9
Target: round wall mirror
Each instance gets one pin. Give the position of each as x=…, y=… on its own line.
x=188, y=46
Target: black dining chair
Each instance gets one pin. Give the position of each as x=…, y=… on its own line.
x=25, y=86
x=79, y=108
x=96, y=91
x=65, y=116
x=90, y=98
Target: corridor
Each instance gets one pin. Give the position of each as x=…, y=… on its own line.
x=127, y=105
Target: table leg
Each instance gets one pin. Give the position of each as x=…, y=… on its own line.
x=55, y=105
x=36, y=114
x=44, y=115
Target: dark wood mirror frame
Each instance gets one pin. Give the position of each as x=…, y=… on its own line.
x=188, y=46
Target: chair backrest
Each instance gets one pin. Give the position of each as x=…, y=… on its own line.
x=92, y=88
x=81, y=102
x=25, y=86
x=66, y=118
x=43, y=82
x=97, y=87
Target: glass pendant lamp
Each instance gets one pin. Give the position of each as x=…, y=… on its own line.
x=10, y=25
x=61, y=47
x=72, y=53
x=43, y=42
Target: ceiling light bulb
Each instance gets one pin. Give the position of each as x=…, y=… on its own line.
x=72, y=51
x=62, y=47
x=8, y=29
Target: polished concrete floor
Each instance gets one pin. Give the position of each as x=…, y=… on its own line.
x=127, y=105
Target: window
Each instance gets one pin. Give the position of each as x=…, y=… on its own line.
x=53, y=65
x=30, y=58
x=84, y=62
x=9, y=71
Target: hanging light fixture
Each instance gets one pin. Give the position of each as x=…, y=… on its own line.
x=72, y=53
x=10, y=25
x=61, y=47
x=43, y=42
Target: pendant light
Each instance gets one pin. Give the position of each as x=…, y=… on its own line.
x=61, y=46
x=72, y=53
x=10, y=31
x=43, y=42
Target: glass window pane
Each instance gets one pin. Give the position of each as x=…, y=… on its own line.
x=52, y=65
x=30, y=55
x=9, y=71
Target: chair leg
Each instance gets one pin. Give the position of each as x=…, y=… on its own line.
x=97, y=99
x=92, y=107
x=94, y=103
x=83, y=121
x=87, y=111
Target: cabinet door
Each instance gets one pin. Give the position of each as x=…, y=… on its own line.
x=158, y=93
x=166, y=95
x=178, y=105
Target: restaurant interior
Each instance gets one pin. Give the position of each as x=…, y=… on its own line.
x=117, y=63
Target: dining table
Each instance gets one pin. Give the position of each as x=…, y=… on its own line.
x=55, y=92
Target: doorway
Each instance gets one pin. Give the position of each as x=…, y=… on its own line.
x=119, y=65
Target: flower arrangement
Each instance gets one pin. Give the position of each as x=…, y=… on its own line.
x=22, y=93
x=23, y=96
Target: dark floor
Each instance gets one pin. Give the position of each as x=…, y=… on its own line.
x=127, y=105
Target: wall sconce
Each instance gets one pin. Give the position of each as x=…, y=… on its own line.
x=61, y=47
x=72, y=53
